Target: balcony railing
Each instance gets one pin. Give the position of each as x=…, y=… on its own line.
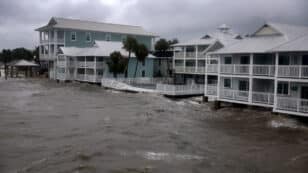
x=231, y=94
x=212, y=68
x=190, y=69
x=190, y=54
x=179, y=55
x=235, y=69
x=211, y=90
x=263, y=98
x=61, y=63
x=53, y=40
x=297, y=71
x=200, y=55
x=81, y=64
x=201, y=70
x=264, y=70
x=179, y=69
x=192, y=89
x=90, y=64
x=292, y=104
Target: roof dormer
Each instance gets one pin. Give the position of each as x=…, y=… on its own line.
x=267, y=30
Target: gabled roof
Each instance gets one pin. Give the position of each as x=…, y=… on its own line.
x=223, y=35
x=283, y=36
x=101, y=48
x=297, y=45
x=64, y=23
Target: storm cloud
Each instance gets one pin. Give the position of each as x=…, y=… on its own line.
x=181, y=19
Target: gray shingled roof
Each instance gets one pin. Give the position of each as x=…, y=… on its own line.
x=289, y=39
x=64, y=23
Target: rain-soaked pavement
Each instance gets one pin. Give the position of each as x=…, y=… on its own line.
x=47, y=127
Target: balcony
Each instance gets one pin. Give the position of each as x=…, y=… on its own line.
x=237, y=95
x=192, y=89
x=212, y=68
x=264, y=70
x=190, y=54
x=201, y=70
x=61, y=64
x=190, y=69
x=53, y=40
x=236, y=69
x=90, y=64
x=292, y=104
x=293, y=71
x=211, y=90
x=263, y=98
x=179, y=55
x=81, y=64
x=179, y=69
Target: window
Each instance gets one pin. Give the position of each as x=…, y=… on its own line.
x=243, y=85
x=284, y=60
x=244, y=59
x=283, y=88
x=73, y=36
x=228, y=60
x=108, y=37
x=143, y=63
x=88, y=37
x=123, y=37
x=143, y=73
x=227, y=83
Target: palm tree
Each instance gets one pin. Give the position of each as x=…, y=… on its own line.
x=116, y=64
x=141, y=53
x=6, y=57
x=129, y=44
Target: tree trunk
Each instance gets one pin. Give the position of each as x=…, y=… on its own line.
x=136, y=68
x=126, y=69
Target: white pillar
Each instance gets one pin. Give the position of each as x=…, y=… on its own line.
x=55, y=35
x=276, y=79
x=184, y=58
x=196, y=64
x=250, y=77
x=218, y=78
x=94, y=69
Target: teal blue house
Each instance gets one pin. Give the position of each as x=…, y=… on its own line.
x=80, y=35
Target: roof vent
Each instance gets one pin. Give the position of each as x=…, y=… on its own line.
x=224, y=28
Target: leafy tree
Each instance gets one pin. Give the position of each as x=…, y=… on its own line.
x=162, y=45
x=117, y=63
x=141, y=53
x=129, y=44
x=22, y=53
x=6, y=57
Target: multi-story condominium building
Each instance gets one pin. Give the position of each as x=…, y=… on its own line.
x=60, y=32
x=189, y=57
x=269, y=68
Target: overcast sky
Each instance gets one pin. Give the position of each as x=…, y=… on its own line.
x=183, y=19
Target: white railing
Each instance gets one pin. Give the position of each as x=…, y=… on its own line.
x=297, y=71
x=80, y=77
x=193, y=89
x=234, y=69
x=61, y=76
x=292, y=104
x=263, y=98
x=144, y=80
x=201, y=70
x=99, y=64
x=90, y=64
x=61, y=63
x=234, y=95
x=211, y=90
x=179, y=55
x=264, y=70
x=179, y=69
x=190, y=54
x=200, y=55
x=212, y=68
x=189, y=69
x=90, y=78
x=81, y=64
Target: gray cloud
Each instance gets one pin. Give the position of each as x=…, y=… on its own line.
x=168, y=18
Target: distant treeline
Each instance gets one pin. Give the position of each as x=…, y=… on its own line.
x=8, y=55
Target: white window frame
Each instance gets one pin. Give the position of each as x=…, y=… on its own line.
x=73, y=33
x=90, y=35
x=108, y=37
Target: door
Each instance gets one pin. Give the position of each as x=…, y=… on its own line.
x=305, y=60
x=304, y=93
x=304, y=102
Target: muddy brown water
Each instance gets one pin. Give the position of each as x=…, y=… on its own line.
x=47, y=127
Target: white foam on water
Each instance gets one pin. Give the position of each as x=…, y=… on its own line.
x=169, y=156
x=285, y=123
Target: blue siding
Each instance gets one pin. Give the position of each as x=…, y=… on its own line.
x=81, y=38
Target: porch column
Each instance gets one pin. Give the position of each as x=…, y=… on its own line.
x=196, y=68
x=218, y=78
x=250, y=77
x=184, y=58
x=94, y=69
x=85, y=68
x=40, y=44
x=276, y=79
x=55, y=35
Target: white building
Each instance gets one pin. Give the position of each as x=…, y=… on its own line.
x=269, y=68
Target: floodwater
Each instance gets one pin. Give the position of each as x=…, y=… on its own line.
x=46, y=127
